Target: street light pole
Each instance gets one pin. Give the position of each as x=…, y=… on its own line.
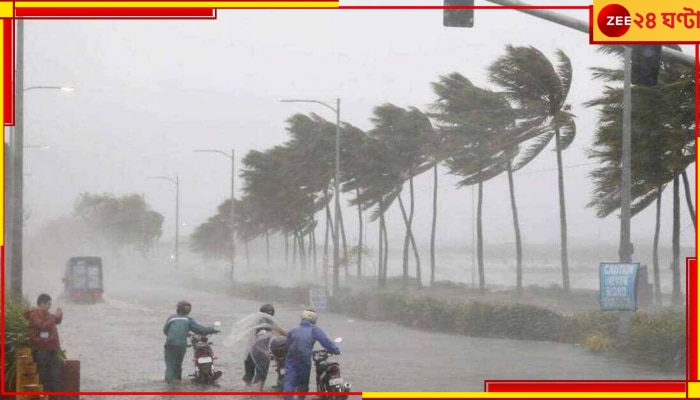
x=16, y=228
x=625, y=251
x=17, y=171
x=233, y=204
x=336, y=227
x=176, y=182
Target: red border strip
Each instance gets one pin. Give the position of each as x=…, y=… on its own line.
x=2, y=311
x=464, y=7
x=115, y=12
x=691, y=325
x=268, y=394
x=582, y=387
x=8, y=27
x=547, y=386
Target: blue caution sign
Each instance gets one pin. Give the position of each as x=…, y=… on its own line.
x=618, y=284
x=317, y=299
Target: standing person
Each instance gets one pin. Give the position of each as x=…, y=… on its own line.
x=176, y=328
x=257, y=360
x=301, y=341
x=43, y=337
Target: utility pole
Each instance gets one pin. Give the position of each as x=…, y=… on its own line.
x=626, y=164
x=17, y=230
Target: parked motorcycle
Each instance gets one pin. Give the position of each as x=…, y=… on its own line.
x=328, y=377
x=204, y=370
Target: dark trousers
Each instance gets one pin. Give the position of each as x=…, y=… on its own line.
x=173, y=362
x=249, y=366
x=49, y=368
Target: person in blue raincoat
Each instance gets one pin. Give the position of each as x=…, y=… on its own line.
x=300, y=343
x=176, y=328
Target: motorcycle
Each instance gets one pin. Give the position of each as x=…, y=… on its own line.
x=327, y=372
x=204, y=371
x=328, y=379
x=278, y=353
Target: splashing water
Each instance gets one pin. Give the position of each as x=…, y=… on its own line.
x=243, y=332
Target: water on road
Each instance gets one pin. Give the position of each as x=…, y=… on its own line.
x=119, y=343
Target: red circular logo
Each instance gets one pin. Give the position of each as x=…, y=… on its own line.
x=614, y=20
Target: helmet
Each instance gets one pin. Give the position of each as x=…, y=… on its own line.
x=267, y=309
x=309, y=315
x=278, y=346
x=183, y=307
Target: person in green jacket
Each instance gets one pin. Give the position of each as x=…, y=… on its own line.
x=176, y=328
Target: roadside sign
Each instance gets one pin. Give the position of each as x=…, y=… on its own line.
x=618, y=286
x=317, y=298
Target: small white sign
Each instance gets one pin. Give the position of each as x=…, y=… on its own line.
x=317, y=298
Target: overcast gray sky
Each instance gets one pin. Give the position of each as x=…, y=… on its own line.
x=149, y=92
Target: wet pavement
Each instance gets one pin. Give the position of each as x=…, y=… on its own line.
x=119, y=343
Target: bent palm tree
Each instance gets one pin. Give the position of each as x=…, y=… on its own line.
x=539, y=90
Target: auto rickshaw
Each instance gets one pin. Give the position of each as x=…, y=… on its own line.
x=83, y=279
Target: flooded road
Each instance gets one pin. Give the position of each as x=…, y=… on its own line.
x=119, y=343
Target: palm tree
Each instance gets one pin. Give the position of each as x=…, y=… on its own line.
x=539, y=90
x=474, y=122
x=663, y=147
x=406, y=132
x=375, y=179
x=435, y=153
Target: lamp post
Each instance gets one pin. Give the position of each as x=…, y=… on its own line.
x=233, y=204
x=336, y=227
x=176, y=182
x=14, y=239
x=626, y=163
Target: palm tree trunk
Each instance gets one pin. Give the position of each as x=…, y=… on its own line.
x=324, y=263
x=404, y=279
x=562, y=216
x=419, y=280
x=309, y=249
x=344, y=258
x=313, y=239
x=411, y=240
x=432, y=231
x=267, y=244
x=247, y=256
x=676, y=298
x=657, y=230
x=516, y=226
x=359, y=242
x=330, y=222
x=480, y=240
x=385, y=244
x=302, y=253
x=688, y=198
x=294, y=251
x=380, y=263
x=385, y=271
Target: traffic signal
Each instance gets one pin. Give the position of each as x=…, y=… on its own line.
x=458, y=17
x=646, y=62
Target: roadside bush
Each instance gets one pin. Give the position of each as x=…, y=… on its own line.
x=655, y=339
x=580, y=326
x=659, y=339
x=16, y=328
x=598, y=342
